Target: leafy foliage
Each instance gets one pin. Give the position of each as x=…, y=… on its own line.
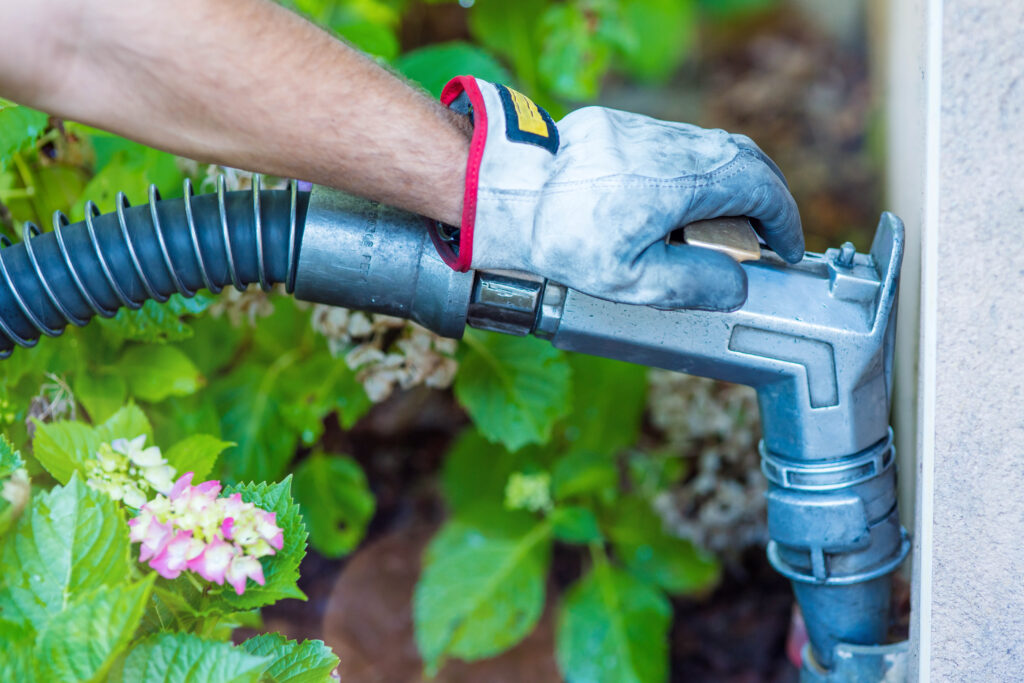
x=71, y=540
x=336, y=503
x=613, y=627
x=19, y=126
x=434, y=65
x=514, y=388
x=482, y=588
x=71, y=602
x=182, y=657
x=307, y=662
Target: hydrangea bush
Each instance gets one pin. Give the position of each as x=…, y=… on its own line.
x=121, y=572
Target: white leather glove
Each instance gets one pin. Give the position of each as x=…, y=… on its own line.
x=589, y=202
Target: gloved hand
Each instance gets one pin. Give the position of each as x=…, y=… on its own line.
x=589, y=202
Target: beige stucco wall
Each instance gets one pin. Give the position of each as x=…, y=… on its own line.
x=955, y=113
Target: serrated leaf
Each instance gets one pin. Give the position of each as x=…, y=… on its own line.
x=514, y=388
x=72, y=539
x=66, y=447
x=281, y=571
x=613, y=628
x=63, y=447
x=155, y=322
x=197, y=453
x=482, y=586
x=672, y=563
x=19, y=126
x=307, y=662
x=185, y=658
x=81, y=642
x=575, y=524
x=154, y=373
x=434, y=65
x=10, y=458
x=336, y=502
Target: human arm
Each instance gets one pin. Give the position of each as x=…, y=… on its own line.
x=245, y=83
x=242, y=83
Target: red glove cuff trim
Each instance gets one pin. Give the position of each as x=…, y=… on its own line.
x=453, y=89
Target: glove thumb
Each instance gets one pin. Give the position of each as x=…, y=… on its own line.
x=683, y=276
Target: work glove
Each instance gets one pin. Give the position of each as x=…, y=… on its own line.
x=589, y=202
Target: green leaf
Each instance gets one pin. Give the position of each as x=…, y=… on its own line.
x=510, y=29
x=476, y=470
x=155, y=372
x=613, y=395
x=574, y=58
x=351, y=400
x=126, y=166
x=582, y=473
x=10, y=458
x=197, y=453
x=613, y=628
x=155, y=322
x=127, y=423
x=672, y=563
x=370, y=38
x=514, y=388
x=71, y=540
x=336, y=502
x=434, y=65
x=575, y=525
x=101, y=393
x=252, y=418
x=16, y=660
x=19, y=126
x=185, y=658
x=281, y=571
x=64, y=447
x=181, y=417
x=663, y=34
x=81, y=642
x=307, y=662
x=482, y=586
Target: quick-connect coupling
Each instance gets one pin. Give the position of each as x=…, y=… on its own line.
x=835, y=533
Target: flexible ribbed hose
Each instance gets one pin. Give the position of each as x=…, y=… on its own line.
x=150, y=251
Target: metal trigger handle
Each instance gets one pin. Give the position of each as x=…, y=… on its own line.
x=730, y=235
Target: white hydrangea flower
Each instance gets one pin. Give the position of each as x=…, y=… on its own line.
x=128, y=471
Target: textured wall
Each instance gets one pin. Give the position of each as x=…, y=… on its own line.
x=977, y=582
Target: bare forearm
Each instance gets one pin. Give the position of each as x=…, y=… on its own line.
x=242, y=83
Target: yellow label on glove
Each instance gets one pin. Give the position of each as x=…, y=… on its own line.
x=530, y=120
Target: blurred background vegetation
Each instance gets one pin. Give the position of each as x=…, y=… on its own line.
x=548, y=516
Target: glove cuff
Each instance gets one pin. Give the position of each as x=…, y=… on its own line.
x=514, y=142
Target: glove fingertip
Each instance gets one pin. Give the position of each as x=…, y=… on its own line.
x=716, y=282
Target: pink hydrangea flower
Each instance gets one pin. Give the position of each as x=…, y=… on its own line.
x=193, y=529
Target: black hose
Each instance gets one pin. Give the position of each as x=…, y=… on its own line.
x=146, y=252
